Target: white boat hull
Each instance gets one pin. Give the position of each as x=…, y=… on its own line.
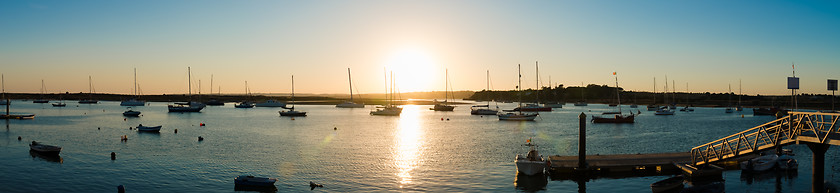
x=530, y=167
x=760, y=164
x=389, y=111
x=517, y=117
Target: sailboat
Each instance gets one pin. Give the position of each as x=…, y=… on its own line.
x=535, y=106
x=271, y=103
x=351, y=103
x=665, y=110
x=90, y=99
x=444, y=106
x=687, y=107
x=484, y=109
x=653, y=106
x=729, y=101
x=739, y=107
x=517, y=114
x=214, y=102
x=131, y=113
x=582, y=101
x=389, y=109
x=60, y=102
x=552, y=103
x=41, y=98
x=291, y=112
x=190, y=106
x=136, y=100
x=3, y=82
x=616, y=117
x=246, y=103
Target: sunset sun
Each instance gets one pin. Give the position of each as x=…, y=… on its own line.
x=413, y=68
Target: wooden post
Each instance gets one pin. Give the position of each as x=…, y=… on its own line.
x=582, y=142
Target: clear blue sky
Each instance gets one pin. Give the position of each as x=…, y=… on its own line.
x=707, y=44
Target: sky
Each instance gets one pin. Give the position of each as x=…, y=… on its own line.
x=701, y=46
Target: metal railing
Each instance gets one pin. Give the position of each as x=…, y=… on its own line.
x=783, y=131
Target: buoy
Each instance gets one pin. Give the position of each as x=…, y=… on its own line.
x=447, y=119
x=124, y=119
x=293, y=118
x=18, y=138
x=176, y=130
x=121, y=189
x=742, y=116
x=200, y=138
x=335, y=128
x=99, y=128
x=124, y=138
x=113, y=156
x=441, y=119
x=201, y=124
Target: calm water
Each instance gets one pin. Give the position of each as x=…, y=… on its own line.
x=414, y=152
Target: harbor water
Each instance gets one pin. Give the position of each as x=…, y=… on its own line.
x=347, y=150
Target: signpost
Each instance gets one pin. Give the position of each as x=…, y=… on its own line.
x=832, y=86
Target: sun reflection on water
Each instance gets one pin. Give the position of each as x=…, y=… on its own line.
x=408, y=150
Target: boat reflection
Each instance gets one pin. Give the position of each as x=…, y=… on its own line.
x=750, y=177
x=530, y=183
x=46, y=157
x=255, y=188
x=408, y=148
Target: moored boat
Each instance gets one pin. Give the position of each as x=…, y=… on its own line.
x=351, y=103
x=134, y=101
x=668, y=184
x=45, y=149
x=190, y=106
x=131, y=113
x=59, y=104
x=444, y=106
x=291, y=112
x=254, y=181
x=90, y=99
x=532, y=163
x=154, y=129
x=759, y=164
x=517, y=114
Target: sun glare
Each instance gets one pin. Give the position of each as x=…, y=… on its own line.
x=413, y=68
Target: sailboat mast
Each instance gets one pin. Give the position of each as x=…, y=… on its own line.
x=538, y=82
x=135, y=82
x=739, y=93
x=654, y=90
x=189, y=84
x=293, y=91
x=211, y=84
x=674, y=91
x=350, y=80
x=617, y=93
x=519, y=86
x=446, y=87
x=488, y=87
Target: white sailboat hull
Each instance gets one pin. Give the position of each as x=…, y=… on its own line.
x=349, y=104
x=517, y=117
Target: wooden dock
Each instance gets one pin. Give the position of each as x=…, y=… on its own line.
x=622, y=164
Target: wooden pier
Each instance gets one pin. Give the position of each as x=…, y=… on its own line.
x=622, y=164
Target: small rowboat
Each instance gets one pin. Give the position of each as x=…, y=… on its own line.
x=254, y=181
x=45, y=149
x=669, y=184
x=148, y=129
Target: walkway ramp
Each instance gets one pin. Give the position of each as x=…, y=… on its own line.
x=811, y=127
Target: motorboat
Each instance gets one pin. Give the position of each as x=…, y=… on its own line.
x=687, y=108
x=483, y=110
x=728, y=110
x=652, y=107
x=668, y=185
x=664, y=111
x=271, y=103
x=254, y=181
x=44, y=149
x=24, y=116
x=131, y=113
x=244, y=104
x=761, y=163
x=291, y=112
x=154, y=129
x=351, y=103
x=59, y=104
x=532, y=163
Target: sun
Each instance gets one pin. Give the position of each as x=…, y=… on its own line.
x=414, y=70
